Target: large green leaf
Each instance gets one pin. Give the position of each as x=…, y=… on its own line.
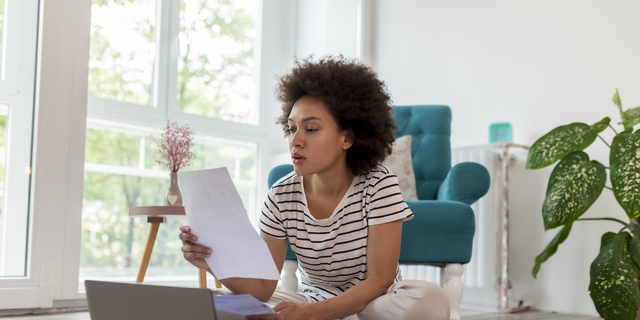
x=633, y=117
x=625, y=171
x=601, y=125
x=559, y=143
x=551, y=248
x=574, y=185
x=634, y=246
x=616, y=99
x=614, y=286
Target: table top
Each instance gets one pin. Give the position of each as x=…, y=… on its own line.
x=157, y=211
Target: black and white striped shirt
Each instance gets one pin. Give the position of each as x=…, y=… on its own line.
x=332, y=252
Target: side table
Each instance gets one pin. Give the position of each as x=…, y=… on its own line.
x=157, y=215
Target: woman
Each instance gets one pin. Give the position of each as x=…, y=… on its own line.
x=340, y=210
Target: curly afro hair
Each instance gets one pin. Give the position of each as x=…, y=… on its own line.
x=356, y=98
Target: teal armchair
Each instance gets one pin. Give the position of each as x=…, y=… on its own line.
x=441, y=233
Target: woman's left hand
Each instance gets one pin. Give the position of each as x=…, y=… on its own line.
x=289, y=311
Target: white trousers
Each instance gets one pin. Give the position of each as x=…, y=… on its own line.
x=404, y=300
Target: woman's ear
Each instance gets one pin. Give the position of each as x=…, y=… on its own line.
x=347, y=140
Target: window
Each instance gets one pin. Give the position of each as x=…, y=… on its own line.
x=123, y=50
x=17, y=68
x=190, y=61
x=215, y=63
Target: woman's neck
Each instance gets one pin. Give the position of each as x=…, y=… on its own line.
x=331, y=183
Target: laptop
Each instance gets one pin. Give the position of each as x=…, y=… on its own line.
x=129, y=301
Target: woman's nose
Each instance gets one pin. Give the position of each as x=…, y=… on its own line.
x=296, y=140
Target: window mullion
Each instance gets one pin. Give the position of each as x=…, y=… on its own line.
x=173, y=50
x=162, y=65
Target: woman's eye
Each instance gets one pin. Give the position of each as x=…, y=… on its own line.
x=291, y=130
x=311, y=130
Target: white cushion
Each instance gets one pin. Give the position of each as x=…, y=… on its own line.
x=401, y=163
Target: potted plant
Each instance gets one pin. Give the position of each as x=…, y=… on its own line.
x=575, y=184
x=174, y=151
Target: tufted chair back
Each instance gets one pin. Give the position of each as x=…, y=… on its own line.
x=430, y=130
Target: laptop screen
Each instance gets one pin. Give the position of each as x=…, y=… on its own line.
x=124, y=301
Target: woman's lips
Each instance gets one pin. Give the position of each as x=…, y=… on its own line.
x=297, y=159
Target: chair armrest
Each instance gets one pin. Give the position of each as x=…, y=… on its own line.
x=466, y=182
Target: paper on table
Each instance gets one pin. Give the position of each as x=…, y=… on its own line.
x=244, y=304
x=217, y=217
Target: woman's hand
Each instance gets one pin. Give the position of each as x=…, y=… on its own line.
x=193, y=253
x=290, y=311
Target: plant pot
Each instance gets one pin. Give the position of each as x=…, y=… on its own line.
x=173, y=197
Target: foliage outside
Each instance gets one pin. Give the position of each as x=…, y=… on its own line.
x=112, y=242
x=215, y=64
x=575, y=184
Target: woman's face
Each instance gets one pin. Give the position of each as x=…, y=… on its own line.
x=315, y=142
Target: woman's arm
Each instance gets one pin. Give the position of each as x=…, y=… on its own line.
x=383, y=252
x=261, y=289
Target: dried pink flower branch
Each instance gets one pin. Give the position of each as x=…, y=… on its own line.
x=174, y=146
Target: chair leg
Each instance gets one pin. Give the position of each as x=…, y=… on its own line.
x=454, y=288
x=289, y=279
x=443, y=277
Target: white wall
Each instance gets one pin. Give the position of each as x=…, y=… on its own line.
x=326, y=27
x=536, y=64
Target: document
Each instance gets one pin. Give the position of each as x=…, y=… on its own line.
x=217, y=217
x=243, y=304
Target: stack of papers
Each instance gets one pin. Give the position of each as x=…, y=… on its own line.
x=242, y=304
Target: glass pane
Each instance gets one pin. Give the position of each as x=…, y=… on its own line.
x=120, y=172
x=122, y=49
x=216, y=65
x=16, y=133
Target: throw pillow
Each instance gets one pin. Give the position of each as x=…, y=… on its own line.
x=401, y=163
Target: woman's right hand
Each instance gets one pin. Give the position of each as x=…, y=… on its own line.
x=192, y=252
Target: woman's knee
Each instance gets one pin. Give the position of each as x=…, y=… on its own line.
x=430, y=301
x=408, y=300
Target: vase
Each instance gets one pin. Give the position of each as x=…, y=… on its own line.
x=173, y=197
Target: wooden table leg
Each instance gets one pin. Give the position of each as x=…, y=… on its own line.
x=153, y=232
x=202, y=278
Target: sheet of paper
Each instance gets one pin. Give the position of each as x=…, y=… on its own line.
x=217, y=217
x=244, y=304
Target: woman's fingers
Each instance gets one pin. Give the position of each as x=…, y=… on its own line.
x=190, y=247
x=190, y=256
x=187, y=237
x=282, y=305
x=185, y=234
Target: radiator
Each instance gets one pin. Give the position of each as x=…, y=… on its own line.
x=481, y=275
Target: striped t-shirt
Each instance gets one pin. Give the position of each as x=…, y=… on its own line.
x=332, y=252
